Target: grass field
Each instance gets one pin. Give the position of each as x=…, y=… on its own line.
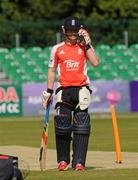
x=27, y=131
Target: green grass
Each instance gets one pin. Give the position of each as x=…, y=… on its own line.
x=123, y=174
x=27, y=131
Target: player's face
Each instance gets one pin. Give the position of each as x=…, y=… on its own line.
x=72, y=35
x=71, y=32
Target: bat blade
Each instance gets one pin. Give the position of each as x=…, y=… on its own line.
x=42, y=158
x=44, y=140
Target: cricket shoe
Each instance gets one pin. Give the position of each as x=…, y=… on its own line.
x=62, y=166
x=79, y=167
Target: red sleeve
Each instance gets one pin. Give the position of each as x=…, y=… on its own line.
x=53, y=62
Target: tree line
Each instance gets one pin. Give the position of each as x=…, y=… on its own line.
x=38, y=21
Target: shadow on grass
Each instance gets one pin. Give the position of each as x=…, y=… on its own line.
x=88, y=168
x=94, y=168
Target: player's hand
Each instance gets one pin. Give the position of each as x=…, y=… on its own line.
x=46, y=98
x=86, y=36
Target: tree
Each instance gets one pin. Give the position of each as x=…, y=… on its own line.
x=114, y=9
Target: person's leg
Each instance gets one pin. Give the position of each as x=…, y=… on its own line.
x=63, y=130
x=81, y=132
x=81, y=129
x=63, y=127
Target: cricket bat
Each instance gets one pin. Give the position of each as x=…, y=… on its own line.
x=44, y=139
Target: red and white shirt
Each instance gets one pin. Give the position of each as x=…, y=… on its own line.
x=71, y=63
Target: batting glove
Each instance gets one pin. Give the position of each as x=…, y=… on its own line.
x=86, y=36
x=46, y=97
